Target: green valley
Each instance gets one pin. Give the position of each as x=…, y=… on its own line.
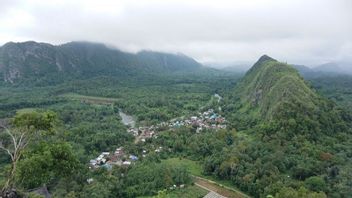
x=198, y=131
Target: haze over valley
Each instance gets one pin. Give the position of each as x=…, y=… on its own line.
x=156, y=99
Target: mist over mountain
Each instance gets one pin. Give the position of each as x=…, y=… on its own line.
x=327, y=69
x=28, y=60
x=176, y=99
x=239, y=67
x=335, y=67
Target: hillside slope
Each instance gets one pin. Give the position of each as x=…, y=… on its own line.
x=32, y=60
x=269, y=84
x=292, y=140
x=274, y=91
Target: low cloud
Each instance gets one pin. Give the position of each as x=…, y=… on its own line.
x=297, y=31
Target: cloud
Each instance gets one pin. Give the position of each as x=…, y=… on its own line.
x=299, y=31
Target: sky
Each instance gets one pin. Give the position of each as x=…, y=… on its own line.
x=308, y=32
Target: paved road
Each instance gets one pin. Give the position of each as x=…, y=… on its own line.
x=213, y=194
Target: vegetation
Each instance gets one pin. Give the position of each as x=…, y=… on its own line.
x=45, y=64
x=27, y=127
x=336, y=88
x=298, y=137
x=188, y=192
x=88, y=123
x=282, y=139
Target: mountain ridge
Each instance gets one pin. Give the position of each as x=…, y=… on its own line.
x=31, y=59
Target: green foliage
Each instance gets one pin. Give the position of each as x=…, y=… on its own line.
x=91, y=125
x=38, y=121
x=315, y=184
x=46, y=162
x=92, y=128
x=283, y=139
x=292, y=126
x=336, y=88
x=147, y=179
x=288, y=192
x=188, y=192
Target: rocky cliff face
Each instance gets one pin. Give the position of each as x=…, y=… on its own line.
x=20, y=60
x=30, y=60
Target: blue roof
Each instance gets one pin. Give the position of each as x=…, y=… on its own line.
x=133, y=157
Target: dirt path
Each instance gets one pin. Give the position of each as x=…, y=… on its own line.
x=218, y=188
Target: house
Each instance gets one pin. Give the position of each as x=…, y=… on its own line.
x=159, y=149
x=90, y=180
x=119, y=152
x=126, y=163
x=133, y=158
x=93, y=162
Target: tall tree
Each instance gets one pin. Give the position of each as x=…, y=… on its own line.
x=24, y=129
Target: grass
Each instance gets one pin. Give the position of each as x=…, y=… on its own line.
x=195, y=168
x=25, y=110
x=90, y=99
x=4, y=167
x=188, y=192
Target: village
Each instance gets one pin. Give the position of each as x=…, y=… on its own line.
x=203, y=121
x=107, y=159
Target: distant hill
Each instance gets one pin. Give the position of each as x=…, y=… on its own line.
x=328, y=69
x=304, y=70
x=335, y=68
x=235, y=67
x=32, y=60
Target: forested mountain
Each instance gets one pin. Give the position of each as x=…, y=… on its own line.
x=297, y=139
x=271, y=87
x=267, y=86
x=32, y=60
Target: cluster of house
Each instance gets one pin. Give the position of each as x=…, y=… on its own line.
x=206, y=120
x=107, y=159
x=143, y=132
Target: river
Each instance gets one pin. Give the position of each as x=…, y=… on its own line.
x=127, y=119
x=218, y=96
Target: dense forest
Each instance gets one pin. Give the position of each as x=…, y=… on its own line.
x=285, y=137
x=87, y=122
